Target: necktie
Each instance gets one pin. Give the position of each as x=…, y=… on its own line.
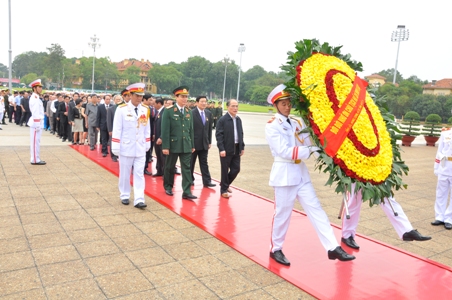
x=288, y=121
x=106, y=106
x=66, y=107
x=136, y=111
x=203, y=118
x=182, y=111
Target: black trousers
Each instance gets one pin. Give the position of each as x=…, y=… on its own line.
x=230, y=168
x=17, y=115
x=148, y=155
x=202, y=154
x=11, y=113
x=24, y=118
x=160, y=158
x=104, y=137
x=56, y=124
x=64, y=128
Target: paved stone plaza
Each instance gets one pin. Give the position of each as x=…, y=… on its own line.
x=65, y=235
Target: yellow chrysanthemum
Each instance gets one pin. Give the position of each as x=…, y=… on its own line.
x=374, y=168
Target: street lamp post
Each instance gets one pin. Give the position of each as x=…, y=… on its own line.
x=400, y=35
x=226, y=59
x=241, y=50
x=94, y=43
x=10, y=51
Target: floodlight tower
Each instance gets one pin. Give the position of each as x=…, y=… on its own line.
x=400, y=35
x=94, y=43
x=241, y=50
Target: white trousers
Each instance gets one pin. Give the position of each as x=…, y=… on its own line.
x=1, y=117
x=443, y=212
x=125, y=167
x=35, y=145
x=400, y=222
x=284, y=200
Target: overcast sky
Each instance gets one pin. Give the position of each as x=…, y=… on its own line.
x=164, y=31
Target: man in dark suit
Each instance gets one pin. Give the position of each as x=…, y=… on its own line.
x=177, y=142
x=146, y=102
x=202, y=128
x=63, y=112
x=117, y=99
x=75, y=97
x=159, y=106
x=229, y=135
x=101, y=124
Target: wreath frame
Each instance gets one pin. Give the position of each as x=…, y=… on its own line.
x=372, y=192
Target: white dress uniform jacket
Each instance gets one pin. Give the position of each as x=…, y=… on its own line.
x=443, y=169
x=443, y=161
x=37, y=112
x=131, y=131
x=288, y=151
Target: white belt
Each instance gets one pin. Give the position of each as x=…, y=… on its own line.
x=280, y=159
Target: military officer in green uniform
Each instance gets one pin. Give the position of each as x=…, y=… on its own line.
x=178, y=142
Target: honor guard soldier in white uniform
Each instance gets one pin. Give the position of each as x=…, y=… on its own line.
x=290, y=179
x=400, y=221
x=36, y=122
x=443, y=169
x=131, y=138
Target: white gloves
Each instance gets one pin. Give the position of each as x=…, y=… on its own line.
x=37, y=129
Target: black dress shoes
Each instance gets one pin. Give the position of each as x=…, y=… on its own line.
x=280, y=257
x=157, y=175
x=448, y=226
x=146, y=172
x=91, y=148
x=189, y=196
x=176, y=172
x=114, y=159
x=437, y=223
x=350, y=241
x=104, y=154
x=125, y=201
x=141, y=205
x=210, y=184
x=340, y=254
x=414, y=235
x=169, y=192
x=192, y=184
x=39, y=163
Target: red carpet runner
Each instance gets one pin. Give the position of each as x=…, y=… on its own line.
x=243, y=222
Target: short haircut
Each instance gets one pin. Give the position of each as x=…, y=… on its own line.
x=147, y=96
x=159, y=100
x=78, y=101
x=229, y=102
x=93, y=95
x=200, y=97
x=76, y=94
x=66, y=96
x=21, y=92
x=58, y=95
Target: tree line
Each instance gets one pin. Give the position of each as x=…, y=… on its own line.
x=204, y=78
x=201, y=75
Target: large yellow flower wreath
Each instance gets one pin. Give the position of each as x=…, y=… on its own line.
x=322, y=83
x=366, y=153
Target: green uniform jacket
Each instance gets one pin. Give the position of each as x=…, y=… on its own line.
x=177, y=130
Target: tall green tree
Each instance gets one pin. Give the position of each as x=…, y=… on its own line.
x=196, y=70
x=389, y=74
x=27, y=79
x=167, y=78
x=54, y=62
x=3, y=70
x=29, y=62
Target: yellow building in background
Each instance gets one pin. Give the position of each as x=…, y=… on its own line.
x=376, y=80
x=144, y=67
x=441, y=87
